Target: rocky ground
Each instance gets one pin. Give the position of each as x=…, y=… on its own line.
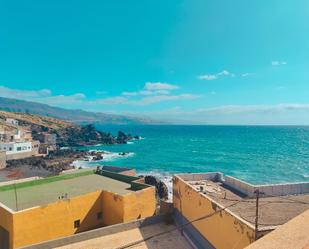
x=49, y=165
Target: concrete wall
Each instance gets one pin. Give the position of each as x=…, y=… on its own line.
x=100, y=232
x=267, y=190
x=2, y=159
x=294, y=234
x=222, y=230
x=19, y=156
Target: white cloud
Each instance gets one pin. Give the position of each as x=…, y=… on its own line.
x=216, y=76
x=15, y=93
x=278, y=63
x=207, y=77
x=276, y=114
x=247, y=74
x=152, y=93
x=153, y=86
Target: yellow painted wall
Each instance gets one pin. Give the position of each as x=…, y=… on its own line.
x=139, y=204
x=112, y=208
x=6, y=222
x=57, y=219
x=222, y=230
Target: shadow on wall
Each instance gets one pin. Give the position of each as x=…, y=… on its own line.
x=4, y=238
x=93, y=219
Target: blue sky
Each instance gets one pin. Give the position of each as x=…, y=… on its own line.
x=189, y=61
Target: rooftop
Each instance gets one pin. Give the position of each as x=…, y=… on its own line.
x=273, y=210
x=48, y=190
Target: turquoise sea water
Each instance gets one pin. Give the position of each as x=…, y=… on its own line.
x=254, y=153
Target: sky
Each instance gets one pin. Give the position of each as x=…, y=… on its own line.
x=184, y=61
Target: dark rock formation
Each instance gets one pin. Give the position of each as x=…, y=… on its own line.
x=161, y=188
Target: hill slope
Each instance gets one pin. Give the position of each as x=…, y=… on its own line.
x=75, y=116
x=68, y=134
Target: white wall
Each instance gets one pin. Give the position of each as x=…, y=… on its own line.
x=13, y=148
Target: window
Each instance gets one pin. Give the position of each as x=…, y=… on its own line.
x=18, y=148
x=99, y=216
x=77, y=224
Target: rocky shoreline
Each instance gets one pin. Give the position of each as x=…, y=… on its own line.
x=55, y=162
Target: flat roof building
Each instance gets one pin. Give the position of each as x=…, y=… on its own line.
x=54, y=207
x=221, y=210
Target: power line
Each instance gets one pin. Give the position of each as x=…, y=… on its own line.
x=176, y=228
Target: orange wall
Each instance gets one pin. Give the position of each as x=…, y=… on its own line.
x=112, y=208
x=139, y=204
x=222, y=230
x=57, y=219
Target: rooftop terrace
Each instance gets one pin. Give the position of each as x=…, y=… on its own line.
x=49, y=190
x=274, y=209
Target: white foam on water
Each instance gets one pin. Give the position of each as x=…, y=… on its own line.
x=107, y=157
x=165, y=177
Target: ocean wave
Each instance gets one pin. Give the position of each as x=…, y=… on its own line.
x=107, y=157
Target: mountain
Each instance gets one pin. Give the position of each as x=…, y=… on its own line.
x=75, y=116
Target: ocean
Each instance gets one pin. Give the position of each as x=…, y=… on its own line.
x=257, y=154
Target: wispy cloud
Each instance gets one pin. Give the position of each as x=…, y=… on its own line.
x=151, y=93
x=278, y=63
x=15, y=93
x=153, y=88
x=216, y=76
x=157, y=86
x=285, y=113
x=246, y=74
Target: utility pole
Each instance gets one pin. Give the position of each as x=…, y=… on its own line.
x=257, y=193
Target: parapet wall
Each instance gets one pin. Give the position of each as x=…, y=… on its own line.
x=267, y=190
x=248, y=189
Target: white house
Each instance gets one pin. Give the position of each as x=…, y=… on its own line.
x=13, y=148
x=11, y=121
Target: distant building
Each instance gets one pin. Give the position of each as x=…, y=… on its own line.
x=12, y=121
x=48, y=142
x=53, y=208
x=19, y=150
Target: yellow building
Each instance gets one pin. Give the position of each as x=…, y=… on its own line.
x=50, y=208
x=216, y=211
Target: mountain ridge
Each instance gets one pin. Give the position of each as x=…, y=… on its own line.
x=73, y=115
